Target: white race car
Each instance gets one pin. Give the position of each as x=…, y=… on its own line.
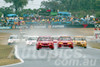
x=13, y=39
x=23, y=36
x=31, y=40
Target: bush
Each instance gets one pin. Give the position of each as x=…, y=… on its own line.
x=0, y=14
x=97, y=14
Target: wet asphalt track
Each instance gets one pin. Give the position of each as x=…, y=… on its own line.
x=64, y=57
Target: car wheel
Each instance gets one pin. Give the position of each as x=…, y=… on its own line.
x=58, y=47
x=37, y=48
x=52, y=48
x=72, y=48
x=85, y=47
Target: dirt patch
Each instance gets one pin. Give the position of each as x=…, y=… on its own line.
x=8, y=61
x=4, y=38
x=94, y=44
x=6, y=52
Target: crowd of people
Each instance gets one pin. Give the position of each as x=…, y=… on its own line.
x=62, y=20
x=49, y=20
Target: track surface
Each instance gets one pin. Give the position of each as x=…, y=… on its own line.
x=58, y=57
x=55, y=32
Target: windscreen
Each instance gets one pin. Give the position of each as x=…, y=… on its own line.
x=45, y=39
x=79, y=38
x=31, y=38
x=65, y=38
x=13, y=38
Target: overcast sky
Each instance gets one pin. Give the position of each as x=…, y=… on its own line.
x=32, y=4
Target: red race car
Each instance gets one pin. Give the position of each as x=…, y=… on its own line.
x=65, y=41
x=46, y=42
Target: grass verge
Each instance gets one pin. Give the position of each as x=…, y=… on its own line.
x=6, y=55
x=94, y=44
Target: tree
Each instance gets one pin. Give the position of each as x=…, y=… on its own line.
x=70, y=5
x=0, y=14
x=6, y=10
x=25, y=11
x=18, y=4
x=54, y=5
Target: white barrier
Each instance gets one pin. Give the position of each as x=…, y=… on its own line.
x=21, y=27
x=8, y=27
x=40, y=27
x=57, y=26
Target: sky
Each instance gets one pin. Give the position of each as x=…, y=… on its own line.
x=35, y=4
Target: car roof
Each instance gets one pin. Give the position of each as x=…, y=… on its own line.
x=13, y=35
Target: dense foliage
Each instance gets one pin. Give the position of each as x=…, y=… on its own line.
x=0, y=14
x=6, y=10
x=17, y=4
x=70, y=5
x=80, y=7
x=76, y=7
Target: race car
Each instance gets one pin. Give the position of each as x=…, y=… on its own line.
x=80, y=41
x=13, y=39
x=45, y=41
x=65, y=41
x=31, y=40
x=55, y=39
x=23, y=36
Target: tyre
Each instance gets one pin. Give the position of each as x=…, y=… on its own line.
x=37, y=48
x=52, y=48
x=58, y=47
x=72, y=48
x=85, y=47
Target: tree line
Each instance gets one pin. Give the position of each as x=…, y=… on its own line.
x=71, y=5
x=77, y=6
x=81, y=7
